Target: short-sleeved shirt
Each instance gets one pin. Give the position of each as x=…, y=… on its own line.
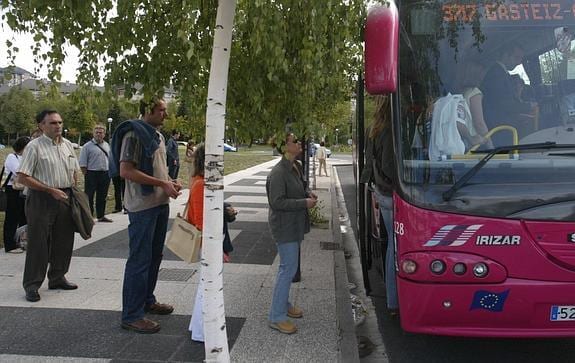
x=12, y=164
x=93, y=158
x=134, y=200
x=51, y=163
x=468, y=94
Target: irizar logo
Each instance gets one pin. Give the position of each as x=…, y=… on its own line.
x=453, y=235
x=498, y=240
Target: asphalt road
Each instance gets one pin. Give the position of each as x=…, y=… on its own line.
x=406, y=347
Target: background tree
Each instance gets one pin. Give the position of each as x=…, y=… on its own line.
x=289, y=57
x=17, y=111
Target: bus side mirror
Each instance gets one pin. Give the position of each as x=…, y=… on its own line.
x=381, y=44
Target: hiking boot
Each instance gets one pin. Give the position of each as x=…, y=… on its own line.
x=286, y=327
x=295, y=312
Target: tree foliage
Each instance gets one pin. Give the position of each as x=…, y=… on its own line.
x=17, y=111
x=292, y=60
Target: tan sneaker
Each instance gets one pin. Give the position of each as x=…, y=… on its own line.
x=286, y=327
x=295, y=312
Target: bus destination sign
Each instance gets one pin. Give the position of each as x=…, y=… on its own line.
x=515, y=13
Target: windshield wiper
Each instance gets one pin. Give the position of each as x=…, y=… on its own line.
x=499, y=150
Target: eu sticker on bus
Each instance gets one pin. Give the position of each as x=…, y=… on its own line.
x=562, y=313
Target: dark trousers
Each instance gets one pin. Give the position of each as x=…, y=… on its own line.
x=97, y=182
x=50, y=239
x=119, y=184
x=147, y=232
x=173, y=170
x=14, y=218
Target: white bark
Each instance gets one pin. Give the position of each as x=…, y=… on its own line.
x=216, y=339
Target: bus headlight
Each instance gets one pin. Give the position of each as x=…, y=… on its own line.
x=409, y=266
x=480, y=269
x=437, y=267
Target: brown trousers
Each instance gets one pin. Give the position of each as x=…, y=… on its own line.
x=50, y=239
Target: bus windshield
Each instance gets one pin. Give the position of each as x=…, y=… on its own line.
x=476, y=76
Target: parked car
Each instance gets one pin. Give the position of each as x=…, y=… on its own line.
x=228, y=147
x=316, y=146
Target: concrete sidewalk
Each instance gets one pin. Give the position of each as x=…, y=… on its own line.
x=83, y=325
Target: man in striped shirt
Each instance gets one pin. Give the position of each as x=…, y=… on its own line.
x=48, y=168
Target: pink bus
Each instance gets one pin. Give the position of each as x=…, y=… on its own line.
x=483, y=117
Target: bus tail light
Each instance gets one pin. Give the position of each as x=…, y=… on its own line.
x=437, y=267
x=450, y=267
x=459, y=269
x=409, y=266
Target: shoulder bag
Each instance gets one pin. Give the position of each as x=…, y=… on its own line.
x=184, y=239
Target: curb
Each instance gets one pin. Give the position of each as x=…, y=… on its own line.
x=348, y=349
x=369, y=328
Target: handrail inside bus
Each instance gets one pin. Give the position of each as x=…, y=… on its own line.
x=494, y=130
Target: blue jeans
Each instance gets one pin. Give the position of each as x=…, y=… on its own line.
x=289, y=252
x=386, y=211
x=147, y=231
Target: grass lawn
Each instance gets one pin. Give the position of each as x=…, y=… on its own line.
x=233, y=161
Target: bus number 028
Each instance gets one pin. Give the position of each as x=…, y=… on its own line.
x=398, y=226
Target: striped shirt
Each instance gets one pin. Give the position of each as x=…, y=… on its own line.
x=53, y=164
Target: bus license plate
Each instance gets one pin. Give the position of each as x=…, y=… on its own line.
x=563, y=313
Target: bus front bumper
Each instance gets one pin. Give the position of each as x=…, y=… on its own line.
x=515, y=308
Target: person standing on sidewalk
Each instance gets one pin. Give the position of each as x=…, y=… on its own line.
x=173, y=157
x=288, y=219
x=321, y=155
x=49, y=169
x=94, y=165
x=139, y=155
x=15, y=216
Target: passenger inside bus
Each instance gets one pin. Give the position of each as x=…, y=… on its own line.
x=500, y=103
x=469, y=76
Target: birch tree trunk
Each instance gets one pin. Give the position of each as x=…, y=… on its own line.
x=213, y=312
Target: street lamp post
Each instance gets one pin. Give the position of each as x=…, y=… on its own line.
x=336, y=136
x=110, y=125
